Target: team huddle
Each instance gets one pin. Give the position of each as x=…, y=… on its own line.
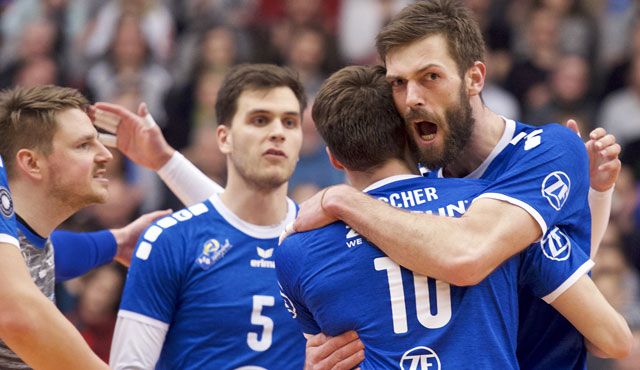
x=463, y=240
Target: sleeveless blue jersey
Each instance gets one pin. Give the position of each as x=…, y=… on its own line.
x=8, y=226
x=544, y=170
x=211, y=277
x=333, y=281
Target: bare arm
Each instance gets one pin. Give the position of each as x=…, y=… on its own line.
x=32, y=326
x=461, y=251
x=605, y=330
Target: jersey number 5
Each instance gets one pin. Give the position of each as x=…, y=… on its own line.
x=257, y=318
x=426, y=318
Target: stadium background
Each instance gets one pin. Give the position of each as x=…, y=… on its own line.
x=548, y=60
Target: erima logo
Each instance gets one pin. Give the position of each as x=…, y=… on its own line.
x=420, y=358
x=555, y=188
x=6, y=203
x=263, y=262
x=288, y=304
x=556, y=245
x=212, y=252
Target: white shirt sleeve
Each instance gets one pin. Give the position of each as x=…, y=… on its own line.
x=137, y=341
x=600, y=204
x=186, y=181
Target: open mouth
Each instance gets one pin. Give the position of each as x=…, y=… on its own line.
x=100, y=175
x=426, y=130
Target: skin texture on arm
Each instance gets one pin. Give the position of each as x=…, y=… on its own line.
x=461, y=251
x=606, y=332
x=32, y=326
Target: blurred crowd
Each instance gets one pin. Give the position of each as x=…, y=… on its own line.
x=548, y=60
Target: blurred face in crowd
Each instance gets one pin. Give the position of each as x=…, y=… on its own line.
x=263, y=141
x=75, y=169
x=429, y=93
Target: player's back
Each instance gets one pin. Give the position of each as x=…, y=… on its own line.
x=336, y=281
x=211, y=278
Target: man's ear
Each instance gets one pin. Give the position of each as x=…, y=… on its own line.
x=334, y=162
x=474, y=78
x=29, y=163
x=225, y=139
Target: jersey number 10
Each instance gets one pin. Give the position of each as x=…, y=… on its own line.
x=422, y=293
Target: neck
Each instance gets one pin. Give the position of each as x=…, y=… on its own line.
x=486, y=134
x=39, y=209
x=394, y=167
x=256, y=206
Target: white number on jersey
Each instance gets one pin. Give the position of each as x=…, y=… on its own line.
x=422, y=293
x=262, y=344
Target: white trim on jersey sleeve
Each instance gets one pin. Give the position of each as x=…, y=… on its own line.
x=517, y=202
x=387, y=180
x=137, y=341
x=600, y=204
x=6, y=238
x=186, y=181
x=585, y=268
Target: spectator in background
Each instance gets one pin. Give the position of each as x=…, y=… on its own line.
x=155, y=23
x=314, y=171
x=618, y=76
x=37, y=72
x=128, y=61
x=356, y=39
x=577, y=32
x=97, y=307
x=528, y=77
x=569, y=87
x=35, y=43
x=620, y=111
x=307, y=55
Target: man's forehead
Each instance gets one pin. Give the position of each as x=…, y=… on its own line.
x=277, y=99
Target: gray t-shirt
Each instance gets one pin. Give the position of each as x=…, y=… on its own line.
x=41, y=267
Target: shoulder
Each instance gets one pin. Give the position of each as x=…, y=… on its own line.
x=552, y=136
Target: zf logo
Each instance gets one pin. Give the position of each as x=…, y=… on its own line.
x=556, y=245
x=420, y=358
x=555, y=188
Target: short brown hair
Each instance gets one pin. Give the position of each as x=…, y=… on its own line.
x=424, y=18
x=254, y=77
x=28, y=117
x=355, y=115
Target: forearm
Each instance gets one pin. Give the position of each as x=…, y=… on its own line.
x=460, y=251
x=186, y=181
x=600, y=205
x=589, y=312
x=43, y=338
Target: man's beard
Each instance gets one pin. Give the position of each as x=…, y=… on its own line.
x=460, y=124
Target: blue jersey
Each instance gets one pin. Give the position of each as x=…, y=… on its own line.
x=333, y=281
x=211, y=278
x=7, y=218
x=545, y=171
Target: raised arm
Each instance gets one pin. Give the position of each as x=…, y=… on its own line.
x=141, y=140
x=32, y=326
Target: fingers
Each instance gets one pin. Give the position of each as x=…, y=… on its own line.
x=317, y=340
x=337, y=345
x=288, y=230
x=597, y=134
x=108, y=140
x=573, y=126
x=106, y=121
x=611, y=166
x=351, y=361
x=342, y=352
x=152, y=216
x=605, y=141
x=611, y=152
